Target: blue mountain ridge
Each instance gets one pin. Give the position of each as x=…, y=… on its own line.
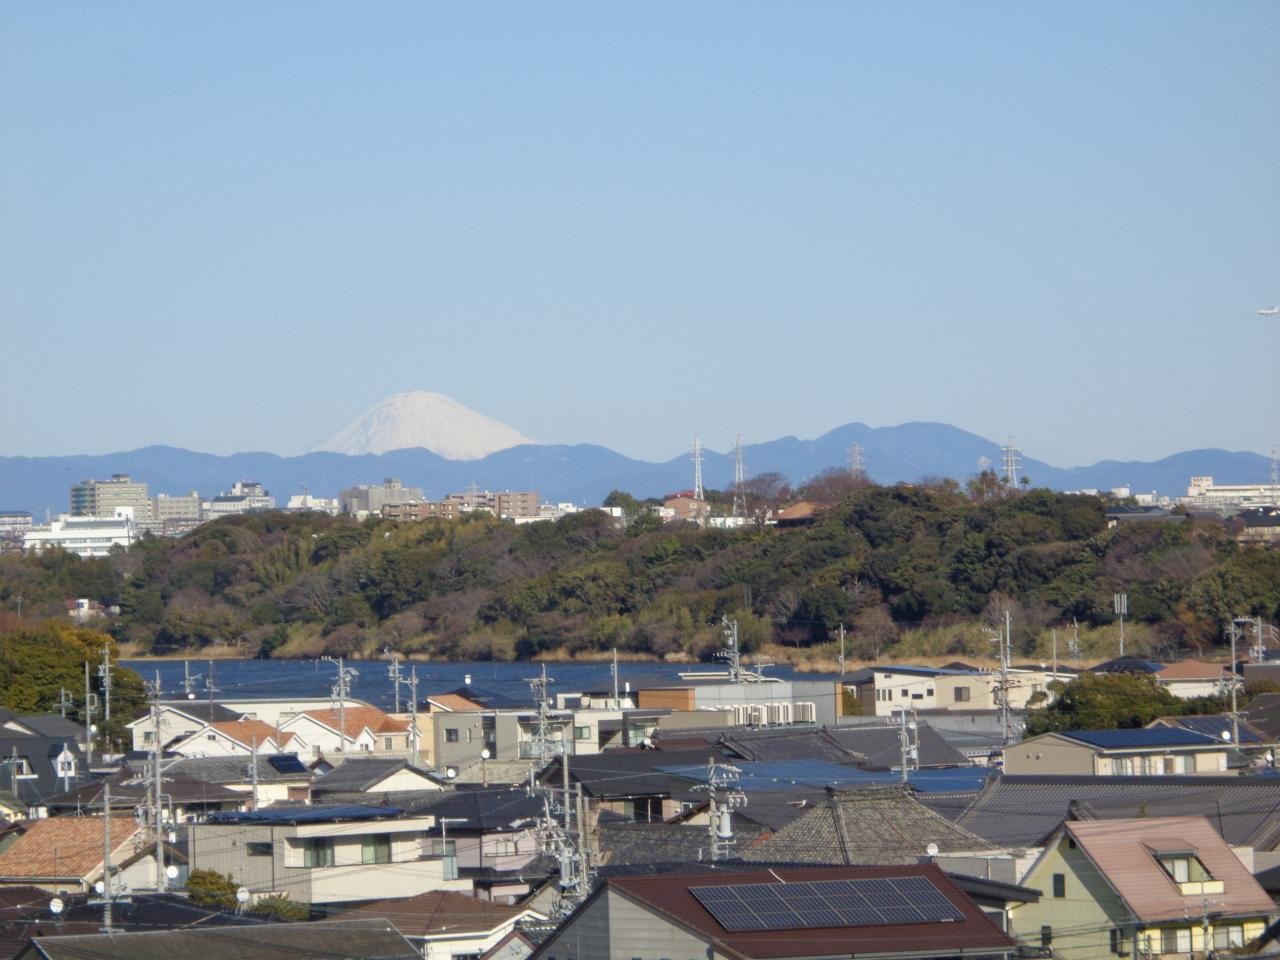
x=585, y=473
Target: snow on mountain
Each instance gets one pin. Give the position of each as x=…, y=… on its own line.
x=421, y=419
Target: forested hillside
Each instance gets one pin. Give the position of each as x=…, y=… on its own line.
x=893, y=564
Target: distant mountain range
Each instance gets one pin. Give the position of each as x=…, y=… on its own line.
x=586, y=473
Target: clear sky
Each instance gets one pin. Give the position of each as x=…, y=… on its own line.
x=236, y=226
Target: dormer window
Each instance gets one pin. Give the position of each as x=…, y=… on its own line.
x=1184, y=867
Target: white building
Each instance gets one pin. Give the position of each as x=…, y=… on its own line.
x=245, y=496
x=305, y=501
x=83, y=536
x=1203, y=492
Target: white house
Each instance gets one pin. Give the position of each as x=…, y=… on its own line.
x=234, y=738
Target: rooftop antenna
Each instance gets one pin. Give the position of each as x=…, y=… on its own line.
x=1011, y=461
x=739, y=480
x=697, y=468
x=857, y=464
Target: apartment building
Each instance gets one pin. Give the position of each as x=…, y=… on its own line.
x=102, y=498
x=362, y=500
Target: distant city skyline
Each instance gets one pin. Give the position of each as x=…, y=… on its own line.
x=235, y=228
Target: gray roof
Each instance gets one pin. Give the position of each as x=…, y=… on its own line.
x=882, y=748
x=632, y=844
x=1024, y=811
x=872, y=746
x=332, y=939
x=203, y=710
x=231, y=770
x=872, y=825
x=358, y=774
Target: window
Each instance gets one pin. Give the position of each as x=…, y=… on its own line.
x=962, y=694
x=929, y=692
x=582, y=733
x=1117, y=942
x=376, y=848
x=1175, y=941
x=317, y=852
x=442, y=848
x=450, y=734
x=1046, y=936
x=386, y=743
x=1226, y=937
x=1059, y=885
x=255, y=848
x=1184, y=867
x=506, y=848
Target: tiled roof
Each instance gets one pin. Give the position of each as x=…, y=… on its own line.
x=876, y=825
x=358, y=773
x=358, y=718
x=669, y=896
x=332, y=939
x=235, y=769
x=453, y=703
x=246, y=731
x=660, y=844
x=437, y=912
x=62, y=847
x=1125, y=852
x=493, y=809
x=1193, y=670
x=1024, y=811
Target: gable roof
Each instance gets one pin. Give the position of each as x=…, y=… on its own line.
x=440, y=911
x=1024, y=811
x=1193, y=670
x=272, y=768
x=362, y=773
x=1125, y=853
x=62, y=847
x=245, y=732
x=1138, y=737
x=670, y=896
x=357, y=719
x=875, y=825
x=500, y=808
x=362, y=939
x=453, y=703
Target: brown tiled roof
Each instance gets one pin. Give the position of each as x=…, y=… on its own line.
x=872, y=825
x=453, y=703
x=438, y=911
x=669, y=895
x=63, y=847
x=1124, y=852
x=1192, y=670
x=358, y=718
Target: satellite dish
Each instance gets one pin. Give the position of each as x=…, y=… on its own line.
x=56, y=906
x=171, y=872
x=485, y=754
x=931, y=849
x=99, y=888
x=450, y=772
x=242, y=895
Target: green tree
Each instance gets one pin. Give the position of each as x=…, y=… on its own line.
x=1105, y=701
x=208, y=888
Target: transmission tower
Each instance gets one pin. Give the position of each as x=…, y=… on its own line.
x=739, y=480
x=857, y=463
x=1011, y=461
x=697, y=468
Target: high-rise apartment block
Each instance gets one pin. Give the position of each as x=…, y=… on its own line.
x=101, y=498
x=366, y=498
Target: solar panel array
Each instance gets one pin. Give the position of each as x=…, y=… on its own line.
x=827, y=903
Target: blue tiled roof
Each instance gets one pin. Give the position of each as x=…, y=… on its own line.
x=1141, y=737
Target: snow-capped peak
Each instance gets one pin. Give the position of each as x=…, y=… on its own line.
x=422, y=419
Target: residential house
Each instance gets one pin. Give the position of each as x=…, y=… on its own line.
x=178, y=720
x=1188, y=679
x=185, y=798
x=275, y=778
x=365, y=775
x=367, y=730
x=323, y=853
x=65, y=853
x=898, y=687
x=1018, y=811
x=630, y=783
x=445, y=925
x=1165, y=886
x=868, y=825
x=1136, y=752
x=332, y=939
x=40, y=757
x=1251, y=747
x=241, y=737
x=903, y=912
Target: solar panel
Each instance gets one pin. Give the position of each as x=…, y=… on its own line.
x=827, y=903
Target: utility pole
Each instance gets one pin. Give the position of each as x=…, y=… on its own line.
x=1234, y=631
x=1054, y=635
x=1121, y=603
x=209, y=683
x=538, y=687
x=188, y=682
x=107, y=891
x=842, y=650
x=615, y=705
x=908, y=744
x=104, y=673
x=1003, y=683
x=1073, y=645
x=64, y=701
x=253, y=770
x=731, y=654
x=340, y=691
x=1259, y=652
x=723, y=797
x=412, y=684
x=393, y=672
x=158, y=794
x=90, y=705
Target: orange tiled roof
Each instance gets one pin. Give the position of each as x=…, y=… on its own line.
x=245, y=731
x=358, y=718
x=453, y=703
x=62, y=847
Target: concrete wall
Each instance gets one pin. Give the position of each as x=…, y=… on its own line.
x=616, y=928
x=1049, y=754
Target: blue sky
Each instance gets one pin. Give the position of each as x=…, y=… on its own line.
x=237, y=226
